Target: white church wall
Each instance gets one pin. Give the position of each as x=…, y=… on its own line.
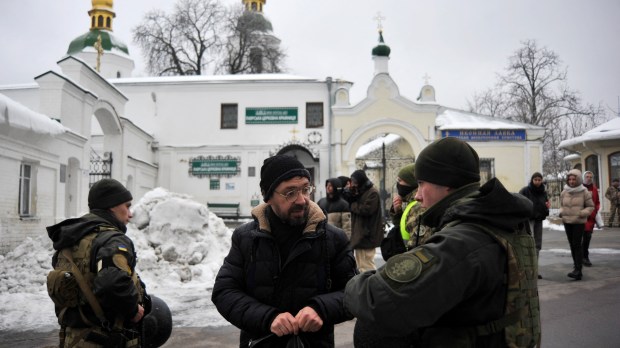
x=24, y=147
x=189, y=114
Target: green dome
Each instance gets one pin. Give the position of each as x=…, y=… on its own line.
x=381, y=50
x=108, y=41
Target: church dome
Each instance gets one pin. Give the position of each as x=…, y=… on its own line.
x=381, y=50
x=109, y=42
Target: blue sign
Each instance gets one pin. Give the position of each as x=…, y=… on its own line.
x=486, y=134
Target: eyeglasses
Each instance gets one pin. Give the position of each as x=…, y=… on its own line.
x=292, y=195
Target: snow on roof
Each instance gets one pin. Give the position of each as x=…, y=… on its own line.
x=459, y=119
x=214, y=78
x=607, y=131
x=17, y=115
x=376, y=144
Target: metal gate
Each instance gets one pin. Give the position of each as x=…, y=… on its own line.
x=100, y=167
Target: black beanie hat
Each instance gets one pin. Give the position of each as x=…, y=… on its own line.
x=277, y=169
x=448, y=162
x=360, y=177
x=107, y=193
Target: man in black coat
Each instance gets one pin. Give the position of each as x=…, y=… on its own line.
x=285, y=273
x=535, y=191
x=366, y=220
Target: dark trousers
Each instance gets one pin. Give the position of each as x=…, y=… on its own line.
x=612, y=214
x=574, y=233
x=587, y=237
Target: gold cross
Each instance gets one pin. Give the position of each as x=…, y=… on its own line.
x=379, y=17
x=99, y=48
x=294, y=131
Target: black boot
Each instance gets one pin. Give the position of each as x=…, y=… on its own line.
x=587, y=263
x=575, y=274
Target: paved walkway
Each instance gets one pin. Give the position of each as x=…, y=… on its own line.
x=555, y=263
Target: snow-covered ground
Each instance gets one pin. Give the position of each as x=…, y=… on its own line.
x=180, y=244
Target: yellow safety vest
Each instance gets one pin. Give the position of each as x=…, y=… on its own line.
x=403, y=221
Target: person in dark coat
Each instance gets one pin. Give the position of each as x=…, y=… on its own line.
x=453, y=290
x=335, y=207
x=366, y=220
x=112, y=262
x=285, y=273
x=535, y=191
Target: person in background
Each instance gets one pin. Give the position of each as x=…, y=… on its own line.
x=366, y=220
x=535, y=192
x=452, y=291
x=335, y=207
x=575, y=207
x=588, y=182
x=613, y=194
x=284, y=275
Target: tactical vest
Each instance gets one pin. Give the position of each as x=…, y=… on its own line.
x=65, y=282
x=521, y=320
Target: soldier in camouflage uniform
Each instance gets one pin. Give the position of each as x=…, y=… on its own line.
x=473, y=283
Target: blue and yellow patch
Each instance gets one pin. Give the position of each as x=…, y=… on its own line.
x=122, y=248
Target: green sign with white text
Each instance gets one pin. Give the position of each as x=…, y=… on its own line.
x=214, y=167
x=276, y=115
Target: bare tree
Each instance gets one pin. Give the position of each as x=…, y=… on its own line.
x=534, y=90
x=184, y=42
x=203, y=36
x=250, y=47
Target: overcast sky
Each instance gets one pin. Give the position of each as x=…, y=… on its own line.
x=461, y=45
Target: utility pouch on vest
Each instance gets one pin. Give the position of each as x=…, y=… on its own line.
x=63, y=289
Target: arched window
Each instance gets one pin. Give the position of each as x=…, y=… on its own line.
x=253, y=6
x=100, y=21
x=592, y=165
x=108, y=22
x=614, y=166
x=118, y=74
x=92, y=21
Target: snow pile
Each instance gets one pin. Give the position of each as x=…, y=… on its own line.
x=180, y=245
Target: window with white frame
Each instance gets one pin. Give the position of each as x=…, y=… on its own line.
x=25, y=189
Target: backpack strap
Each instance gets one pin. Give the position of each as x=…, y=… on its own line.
x=86, y=291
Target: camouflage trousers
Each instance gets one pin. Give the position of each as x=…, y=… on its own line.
x=79, y=338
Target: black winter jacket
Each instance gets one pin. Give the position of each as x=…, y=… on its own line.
x=538, y=196
x=455, y=280
x=254, y=284
x=113, y=287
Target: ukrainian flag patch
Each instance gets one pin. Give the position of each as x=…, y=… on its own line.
x=122, y=248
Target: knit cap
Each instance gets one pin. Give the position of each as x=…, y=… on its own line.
x=279, y=168
x=407, y=174
x=107, y=193
x=448, y=162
